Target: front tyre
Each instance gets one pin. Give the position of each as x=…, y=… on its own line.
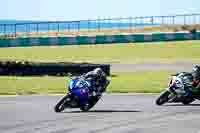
x=163, y=98
x=62, y=104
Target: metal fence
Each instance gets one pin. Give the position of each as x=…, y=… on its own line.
x=98, y=26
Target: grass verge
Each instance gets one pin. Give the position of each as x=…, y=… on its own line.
x=139, y=82
x=117, y=53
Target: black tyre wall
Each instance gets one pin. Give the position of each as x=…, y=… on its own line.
x=53, y=69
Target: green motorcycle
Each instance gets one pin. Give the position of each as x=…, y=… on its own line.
x=175, y=93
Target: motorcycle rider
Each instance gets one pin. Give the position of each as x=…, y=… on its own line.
x=99, y=80
x=196, y=76
x=195, y=81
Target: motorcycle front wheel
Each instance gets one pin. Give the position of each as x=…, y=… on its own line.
x=163, y=98
x=62, y=104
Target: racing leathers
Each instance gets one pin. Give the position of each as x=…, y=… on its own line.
x=99, y=81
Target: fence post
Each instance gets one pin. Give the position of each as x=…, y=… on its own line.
x=184, y=20
x=173, y=19
x=141, y=20
x=27, y=29
x=37, y=28
x=58, y=28
x=135, y=24
x=98, y=24
x=4, y=30
x=78, y=26
x=130, y=24
x=68, y=26
x=163, y=20
x=119, y=24
x=194, y=19
x=48, y=27
x=152, y=20
x=15, y=30
x=88, y=25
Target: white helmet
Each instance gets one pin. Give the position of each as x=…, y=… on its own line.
x=98, y=71
x=196, y=71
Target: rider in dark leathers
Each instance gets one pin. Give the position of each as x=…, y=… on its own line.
x=196, y=80
x=196, y=76
x=99, y=80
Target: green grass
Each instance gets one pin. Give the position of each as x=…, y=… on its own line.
x=123, y=53
x=31, y=85
x=141, y=81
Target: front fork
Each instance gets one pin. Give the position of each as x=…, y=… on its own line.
x=176, y=91
x=176, y=94
x=172, y=90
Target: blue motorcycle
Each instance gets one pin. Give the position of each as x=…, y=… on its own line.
x=79, y=96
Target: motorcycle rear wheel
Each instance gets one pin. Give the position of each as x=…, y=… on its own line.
x=188, y=101
x=92, y=102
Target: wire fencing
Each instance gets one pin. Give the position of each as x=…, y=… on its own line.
x=98, y=26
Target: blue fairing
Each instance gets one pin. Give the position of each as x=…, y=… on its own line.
x=72, y=84
x=80, y=89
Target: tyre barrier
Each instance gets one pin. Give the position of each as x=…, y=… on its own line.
x=24, y=68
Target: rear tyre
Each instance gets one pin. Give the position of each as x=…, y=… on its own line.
x=85, y=108
x=62, y=104
x=187, y=101
x=163, y=98
x=91, y=104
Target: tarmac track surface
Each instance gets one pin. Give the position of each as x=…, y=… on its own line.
x=177, y=66
x=114, y=113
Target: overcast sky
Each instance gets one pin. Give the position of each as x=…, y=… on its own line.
x=92, y=9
